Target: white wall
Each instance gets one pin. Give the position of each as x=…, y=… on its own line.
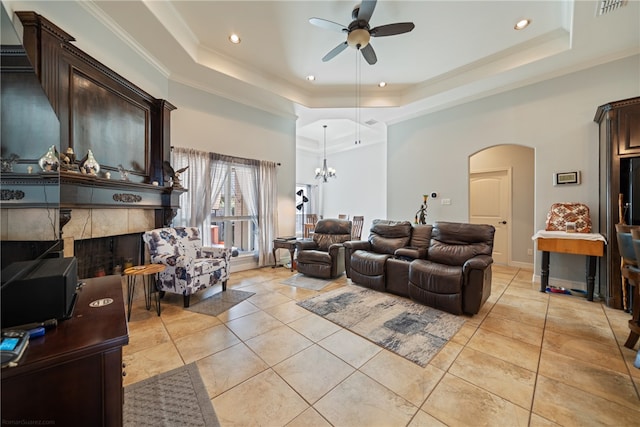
x=555, y=117
x=360, y=187
x=210, y=123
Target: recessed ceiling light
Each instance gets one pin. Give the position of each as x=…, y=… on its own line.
x=234, y=38
x=382, y=84
x=311, y=77
x=522, y=24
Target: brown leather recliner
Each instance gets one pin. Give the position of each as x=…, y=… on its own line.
x=456, y=276
x=323, y=256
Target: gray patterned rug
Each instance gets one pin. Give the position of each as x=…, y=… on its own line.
x=301, y=281
x=174, y=398
x=413, y=331
x=220, y=302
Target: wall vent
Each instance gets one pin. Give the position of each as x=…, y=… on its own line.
x=607, y=6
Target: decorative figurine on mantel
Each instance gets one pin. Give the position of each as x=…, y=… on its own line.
x=49, y=162
x=421, y=214
x=124, y=174
x=89, y=165
x=8, y=162
x=68, y=161
x=173, y=174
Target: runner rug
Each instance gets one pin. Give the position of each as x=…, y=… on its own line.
x=174, y=398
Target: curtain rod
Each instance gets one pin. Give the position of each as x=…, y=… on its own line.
x=238, y=158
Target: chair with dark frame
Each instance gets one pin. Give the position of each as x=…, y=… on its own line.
x=630, y=248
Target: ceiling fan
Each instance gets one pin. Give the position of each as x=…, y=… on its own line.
x=359, y=33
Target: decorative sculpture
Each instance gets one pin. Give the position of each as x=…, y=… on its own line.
x=124, y=174
x=173, y=174
x=8, y=162
x=49, y=162
x=421, y=214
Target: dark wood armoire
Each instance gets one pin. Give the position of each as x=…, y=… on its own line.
x=619, y=124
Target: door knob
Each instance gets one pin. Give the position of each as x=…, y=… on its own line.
x=503, y=222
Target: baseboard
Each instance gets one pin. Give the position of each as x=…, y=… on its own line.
x=525, y=265
x=243, y=262
x=561, y=283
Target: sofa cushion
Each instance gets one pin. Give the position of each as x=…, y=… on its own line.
x=369, y=263
x=437, y=278
x=314, y=257
x=326, y=240
x=387, y=236
x=421, y=236
x=455, y=243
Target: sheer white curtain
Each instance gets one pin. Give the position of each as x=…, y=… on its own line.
x=218, y=175
x=205, y=179
x=267, y=210
x=195, y=204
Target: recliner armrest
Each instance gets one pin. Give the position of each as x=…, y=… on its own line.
x=306, y=245
x=219, y=252
x=171, y=260
x=410, y=253
x=334, y=249
x=355, y=245
x=479, y=262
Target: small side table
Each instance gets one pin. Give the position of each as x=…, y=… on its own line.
x=149, y=273
x=284, y=244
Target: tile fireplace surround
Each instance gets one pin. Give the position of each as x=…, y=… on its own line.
x=84, y=227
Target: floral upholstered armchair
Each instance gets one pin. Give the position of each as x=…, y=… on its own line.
x=190, y=267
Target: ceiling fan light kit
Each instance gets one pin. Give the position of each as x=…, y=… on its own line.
x=358, y=32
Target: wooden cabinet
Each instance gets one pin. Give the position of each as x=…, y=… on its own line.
x=619, y=124
x=73, y=374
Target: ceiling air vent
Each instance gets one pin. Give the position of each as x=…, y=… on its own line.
x=607, y=6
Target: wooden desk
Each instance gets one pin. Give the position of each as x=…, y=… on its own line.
x=591, y=245
x=72, y=376
x=284, y=244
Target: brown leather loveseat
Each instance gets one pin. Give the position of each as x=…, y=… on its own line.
x=382, y=261
x=446, y=266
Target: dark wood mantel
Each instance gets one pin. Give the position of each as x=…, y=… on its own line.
x=98, y=110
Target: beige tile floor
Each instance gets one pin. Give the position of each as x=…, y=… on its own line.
x=527, y=358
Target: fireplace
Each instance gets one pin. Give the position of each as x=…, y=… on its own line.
x=108, y=255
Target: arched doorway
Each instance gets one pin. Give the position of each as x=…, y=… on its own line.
x=501, y=193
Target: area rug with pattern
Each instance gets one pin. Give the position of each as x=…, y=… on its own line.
x=174, y=398
x=301, y=281
x=220, y=302
x=413, y=331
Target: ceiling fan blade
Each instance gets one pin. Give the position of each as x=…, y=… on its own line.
x=328, y=25
x=369, y=54
x=392, y=29
x=366, y=9
x=336, y=50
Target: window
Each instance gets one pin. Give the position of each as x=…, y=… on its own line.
x=234, y=219
x=224, y=203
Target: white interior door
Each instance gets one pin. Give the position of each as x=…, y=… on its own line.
x=490, y=203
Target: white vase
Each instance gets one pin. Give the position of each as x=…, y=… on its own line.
x=49, y=162
x=90, y=166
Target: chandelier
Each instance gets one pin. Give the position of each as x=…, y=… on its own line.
x=325, y=172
